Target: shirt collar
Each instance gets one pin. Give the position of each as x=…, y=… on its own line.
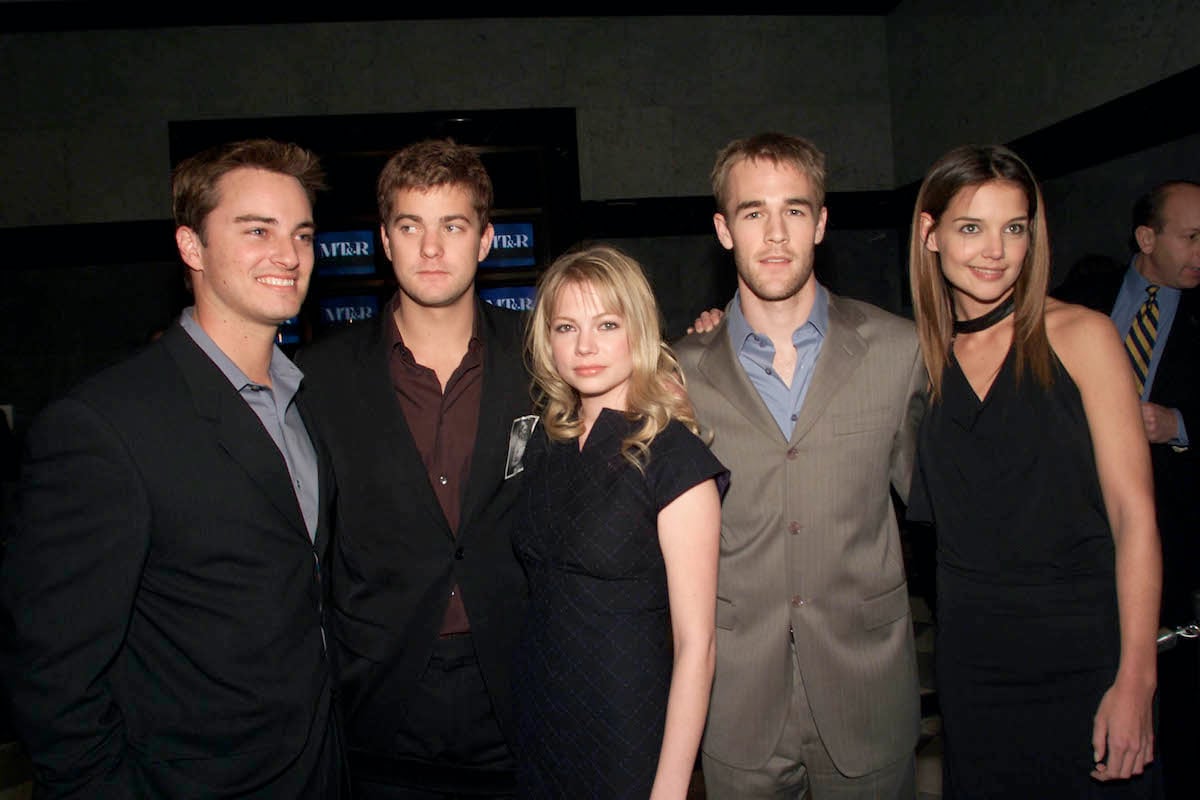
x=1135, y=283
x=740, y=330
x=285, y=375
x=392, y=330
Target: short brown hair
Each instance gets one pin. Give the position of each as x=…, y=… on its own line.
x=194, y=180
x=775, y=148
x=435, y=162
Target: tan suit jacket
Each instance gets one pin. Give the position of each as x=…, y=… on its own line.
x=809, y=539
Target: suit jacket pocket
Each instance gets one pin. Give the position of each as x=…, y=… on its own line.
x=726, y=614
x=883, y=609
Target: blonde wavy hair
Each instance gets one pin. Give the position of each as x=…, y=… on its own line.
x=933, y=310
x=657, y=391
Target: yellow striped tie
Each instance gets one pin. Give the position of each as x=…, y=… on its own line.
x=1140, y=339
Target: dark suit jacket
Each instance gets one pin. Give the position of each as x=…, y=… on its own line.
x=1176, y=472
x=161, y=599
x=395, y=556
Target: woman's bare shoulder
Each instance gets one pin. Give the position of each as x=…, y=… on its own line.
x=1081, y=336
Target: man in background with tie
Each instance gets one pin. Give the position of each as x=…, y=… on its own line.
x=1156, y=307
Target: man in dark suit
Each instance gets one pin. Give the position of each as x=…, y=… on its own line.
x=418, y=405
x=1166, y=240
x=162, y=601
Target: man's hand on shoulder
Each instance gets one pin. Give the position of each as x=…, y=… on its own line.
x=706, y=321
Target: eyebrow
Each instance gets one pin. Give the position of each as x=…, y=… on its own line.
x=400, y=215
x=256, y=218
x=791, y=201
x=308, y=223
x=1020, y=218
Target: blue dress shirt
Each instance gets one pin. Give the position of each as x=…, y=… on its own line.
x=756, y=353
x=277, y=410
x=1129, y=300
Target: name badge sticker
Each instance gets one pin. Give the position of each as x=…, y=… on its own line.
x=518, y=437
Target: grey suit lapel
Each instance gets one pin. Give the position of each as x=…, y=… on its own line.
x=841, y=353
x=720, y=367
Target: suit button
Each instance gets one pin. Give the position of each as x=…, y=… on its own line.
x=797, y=601
x=794, y=528
x=458, y=554
x=792, y=454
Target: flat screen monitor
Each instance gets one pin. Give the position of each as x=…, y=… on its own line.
x=289, y=332
x=345, y=253
x=346, y=309
x=512, y=246
x=519, y=298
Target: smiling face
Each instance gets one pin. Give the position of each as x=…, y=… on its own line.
x=435, y=243
x=590, y=348
x=1171, y=256
x=251, y=264
x=772, y=224
x=981, y=240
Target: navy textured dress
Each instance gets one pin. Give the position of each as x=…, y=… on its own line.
x=1027, y=628
x=593, y=667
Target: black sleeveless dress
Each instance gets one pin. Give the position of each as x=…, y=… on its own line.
x=594, y=663
x=1027, y=629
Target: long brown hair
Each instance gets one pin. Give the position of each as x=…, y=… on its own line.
x=962, y=167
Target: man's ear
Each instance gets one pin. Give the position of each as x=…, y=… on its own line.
x=387, y=243
x=722, y=229
x=822, y=218
x=190, y=247
x=1145, y=237
x=485, y=242
x=928, y=232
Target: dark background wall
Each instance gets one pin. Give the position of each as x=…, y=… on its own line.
x=1095, y=93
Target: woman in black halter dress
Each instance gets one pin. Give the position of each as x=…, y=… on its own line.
x=1034, y=469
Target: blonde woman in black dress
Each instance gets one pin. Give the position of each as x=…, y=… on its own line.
x=1034, y=469
x=619, y=530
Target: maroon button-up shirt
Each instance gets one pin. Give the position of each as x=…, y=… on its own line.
x=443, y=424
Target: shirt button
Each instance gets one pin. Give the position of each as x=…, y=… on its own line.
x=443, y=480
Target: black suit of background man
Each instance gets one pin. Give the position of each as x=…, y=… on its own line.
x=1166, y=235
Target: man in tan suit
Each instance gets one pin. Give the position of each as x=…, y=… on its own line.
x=814, y=401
